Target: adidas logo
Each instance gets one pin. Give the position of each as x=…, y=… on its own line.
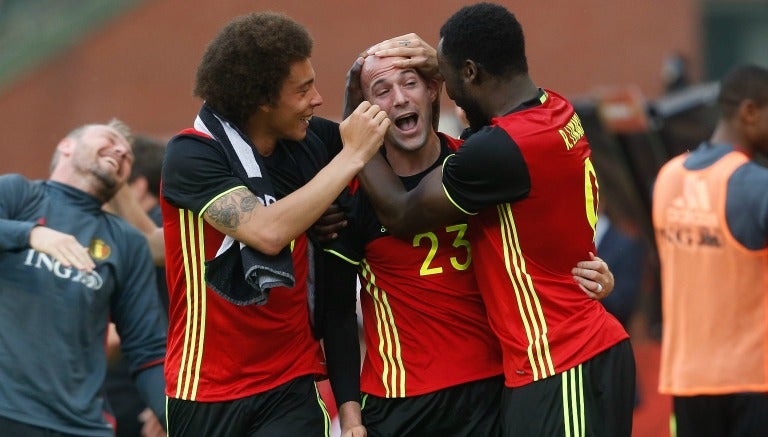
x=693, y=206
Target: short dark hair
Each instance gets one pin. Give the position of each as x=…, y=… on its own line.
x=742, y=83
x=245, y=66
x=148, y=162
x=488, y=34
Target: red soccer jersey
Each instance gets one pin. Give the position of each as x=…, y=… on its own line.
x=424, y=321
x=218, y=351
x=425, y=324
x=530, y=181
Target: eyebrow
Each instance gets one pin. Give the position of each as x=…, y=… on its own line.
x=115, y=137
x=305, y=84
x=403, y=72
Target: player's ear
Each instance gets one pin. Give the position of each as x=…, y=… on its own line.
x=748, y=111
x=66, y=146
x=469, y=71
x=433, y=89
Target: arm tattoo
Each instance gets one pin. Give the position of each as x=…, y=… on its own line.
x=248, y=203
x=233, y=209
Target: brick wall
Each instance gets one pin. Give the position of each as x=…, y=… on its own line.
x=140, y=67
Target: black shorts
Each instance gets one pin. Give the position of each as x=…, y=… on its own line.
x=292, y=409
x=740, y=414
x=470, y=409
x=593, y=399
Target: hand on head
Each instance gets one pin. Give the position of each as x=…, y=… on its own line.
x=419, y=54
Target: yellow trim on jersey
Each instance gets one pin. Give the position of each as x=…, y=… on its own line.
x=189, y=263
x=347, y=259
x=187, y=283
x=392, y=358
x=324, y=408
x=528, y=303
x=202, y=210
x=574, y=417
x=194, y=272
x=543, y=97
x=203, y=305
x=450, y=199
x=672, y=425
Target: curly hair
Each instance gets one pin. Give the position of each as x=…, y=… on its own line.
x=488, y=34
x=742, y=83
x=245, y=66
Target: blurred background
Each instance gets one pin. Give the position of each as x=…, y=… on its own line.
x=640, y=73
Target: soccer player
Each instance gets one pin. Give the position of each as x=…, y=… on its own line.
x=710, y=213
x=66, y=269
x=238, y=193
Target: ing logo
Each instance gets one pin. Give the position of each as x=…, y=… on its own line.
x=42, y=261
x=99, y=250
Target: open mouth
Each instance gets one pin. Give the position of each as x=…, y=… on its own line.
x=407, y=122
x=306, y=119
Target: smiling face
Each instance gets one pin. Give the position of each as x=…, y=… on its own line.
x=405, y=96
x=288, y=118
x=96, y=159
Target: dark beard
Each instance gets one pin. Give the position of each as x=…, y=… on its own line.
x=107, y=186
x=475, y=116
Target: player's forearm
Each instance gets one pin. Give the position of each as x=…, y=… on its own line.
x=274, y=227
x=403, y=212
x=125, y=205
x=341, y=340
x=156, y=242
x=15, y=234
x=386, y=192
